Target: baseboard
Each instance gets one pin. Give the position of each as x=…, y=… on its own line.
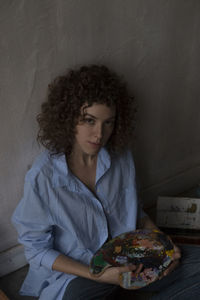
x=12, y=260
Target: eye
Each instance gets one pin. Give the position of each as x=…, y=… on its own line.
x=110, y=122
x=89, y=121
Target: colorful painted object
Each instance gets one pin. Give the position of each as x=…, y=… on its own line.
x=151, y=248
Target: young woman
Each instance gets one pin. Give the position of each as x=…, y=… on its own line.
x=80, y=191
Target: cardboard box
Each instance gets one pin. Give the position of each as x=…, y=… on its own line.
x=178, y=212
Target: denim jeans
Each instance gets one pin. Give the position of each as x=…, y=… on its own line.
x=182, y=284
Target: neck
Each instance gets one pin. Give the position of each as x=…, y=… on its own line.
x=86, y=160
x=82, y=159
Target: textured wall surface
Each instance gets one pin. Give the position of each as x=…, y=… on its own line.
x=154, y=44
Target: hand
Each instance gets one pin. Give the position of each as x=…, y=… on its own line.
x=175, y=261
x=111, y=274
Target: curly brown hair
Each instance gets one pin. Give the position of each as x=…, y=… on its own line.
x=69, y=92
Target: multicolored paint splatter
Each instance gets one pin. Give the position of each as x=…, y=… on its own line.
x=151, y=248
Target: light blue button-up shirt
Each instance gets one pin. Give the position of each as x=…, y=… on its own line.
x=59, y=214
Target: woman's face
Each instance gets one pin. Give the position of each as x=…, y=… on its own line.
x=94, y=128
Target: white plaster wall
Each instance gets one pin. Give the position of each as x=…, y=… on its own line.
x=155, y=44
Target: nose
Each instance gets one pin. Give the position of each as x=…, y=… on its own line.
x=98, y=131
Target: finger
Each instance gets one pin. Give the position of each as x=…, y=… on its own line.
x=128, y=268
x=139, y=268
x=176, y=248
x=176, y=256
x=173, y=265
x=177, y=253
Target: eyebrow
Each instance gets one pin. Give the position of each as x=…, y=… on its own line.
x=113, y=117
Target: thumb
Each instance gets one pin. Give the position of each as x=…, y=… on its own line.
x=177, y=253
x=128, y=268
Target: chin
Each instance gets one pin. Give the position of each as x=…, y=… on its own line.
x=92, y=151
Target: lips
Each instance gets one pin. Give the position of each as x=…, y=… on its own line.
x=95, y=144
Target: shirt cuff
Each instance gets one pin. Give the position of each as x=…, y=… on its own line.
x=49, y=258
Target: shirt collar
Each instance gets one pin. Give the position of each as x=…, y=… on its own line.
x=60, y=170
x=63, y=177
x=103, y=163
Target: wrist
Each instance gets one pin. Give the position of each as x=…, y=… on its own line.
x=91, y=276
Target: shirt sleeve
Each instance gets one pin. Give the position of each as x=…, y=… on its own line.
x=34, y=225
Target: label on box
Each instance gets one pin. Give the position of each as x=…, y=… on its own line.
x=178, y=212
